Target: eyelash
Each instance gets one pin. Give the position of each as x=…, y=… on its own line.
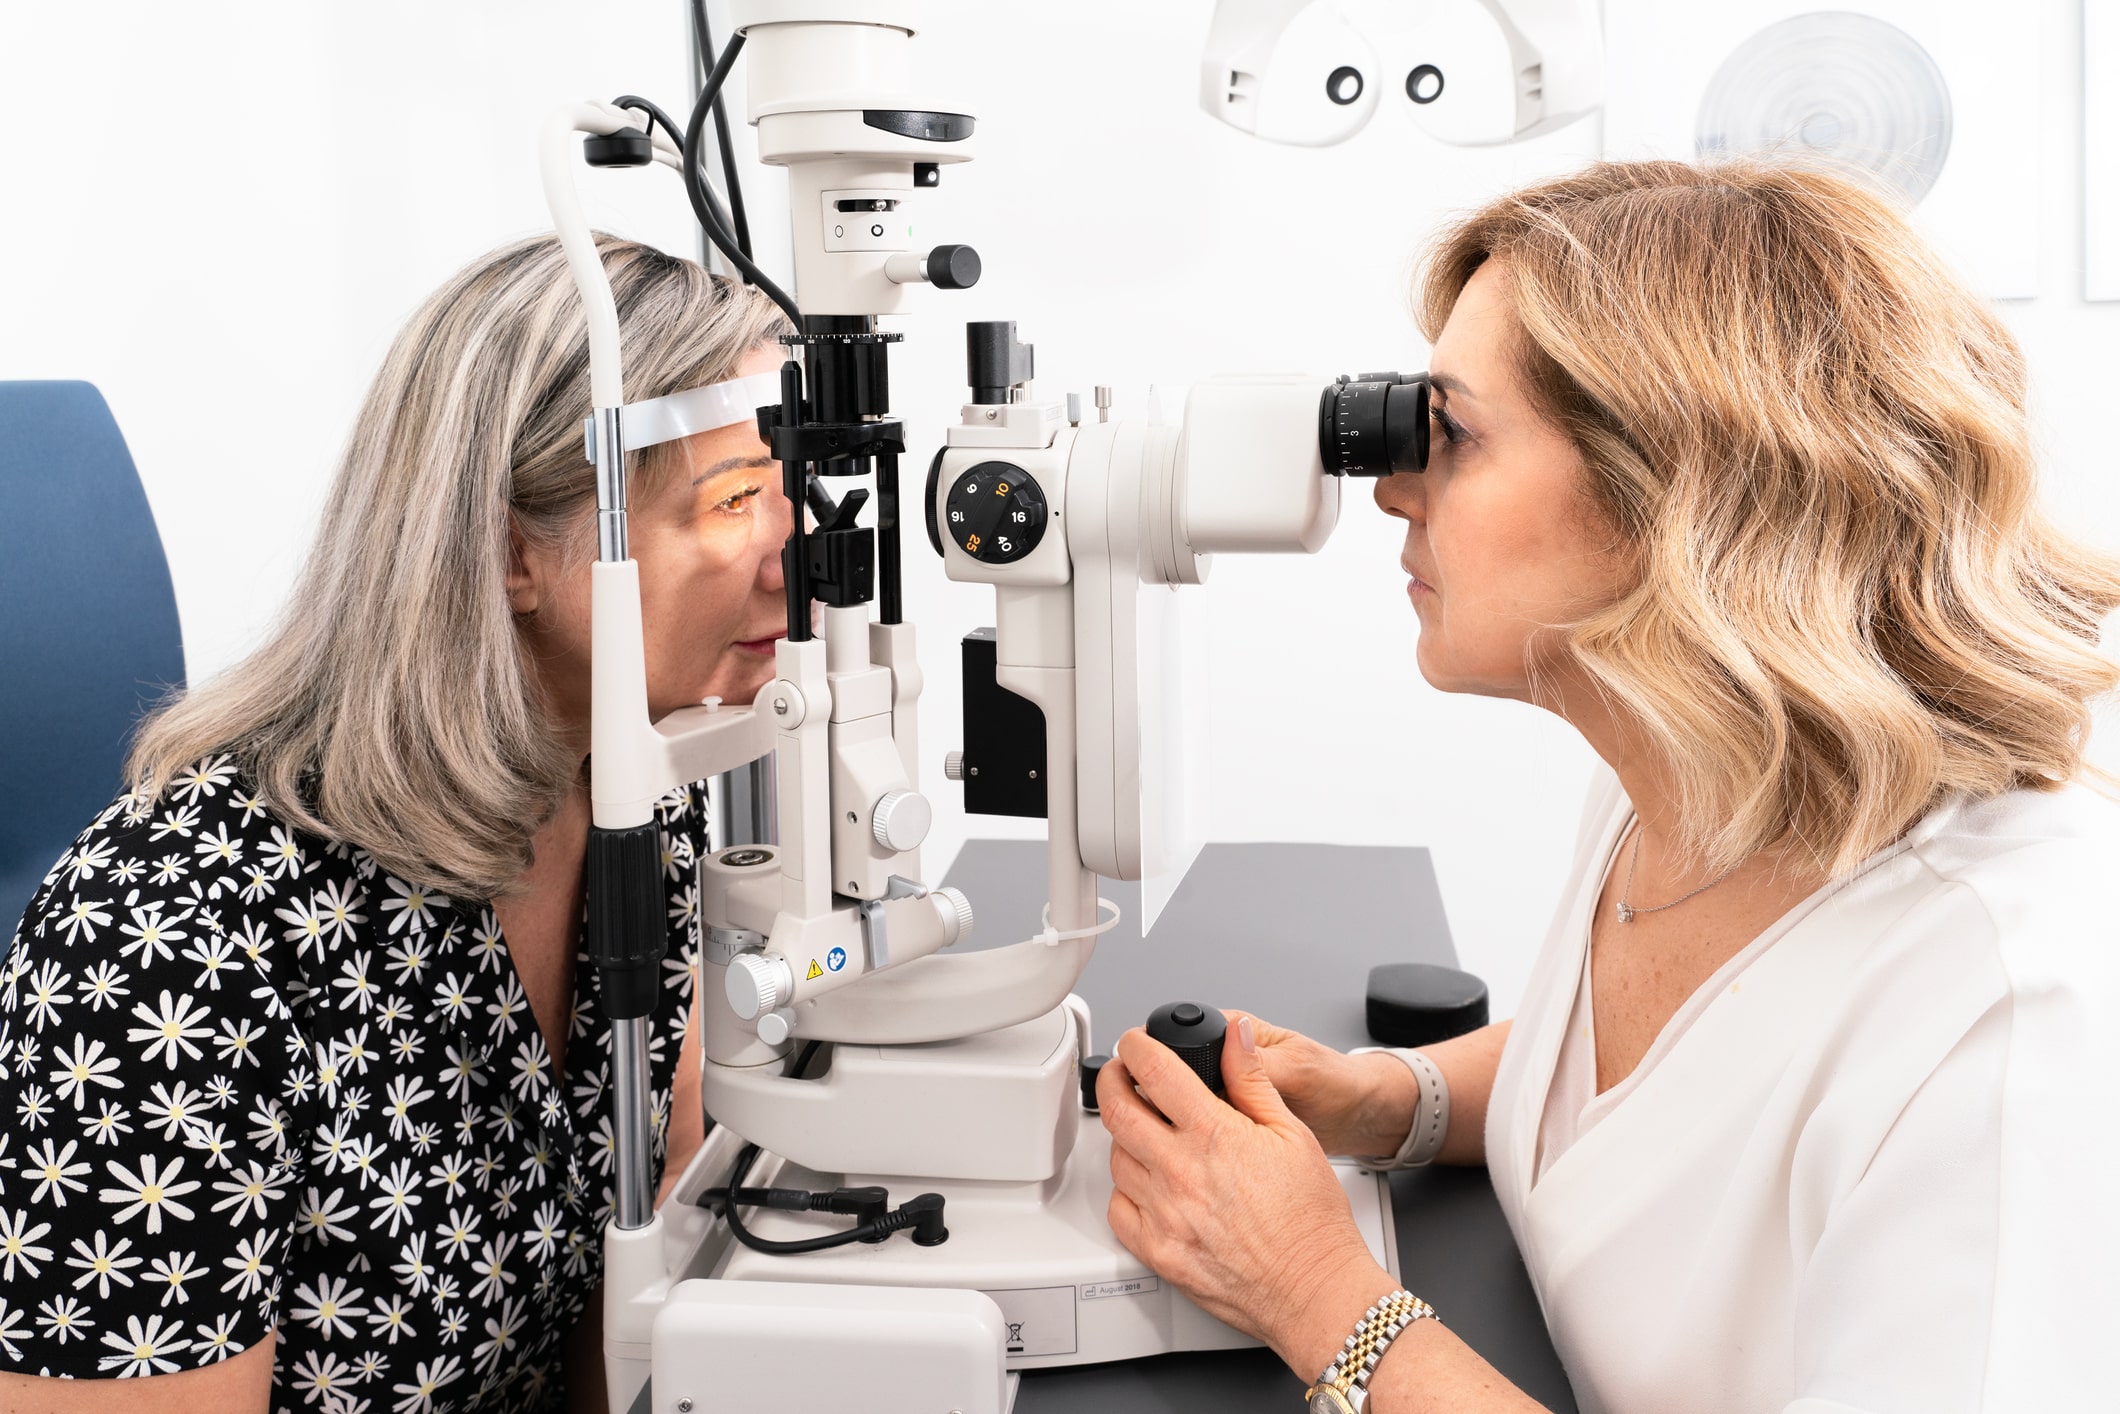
x=736, y=501
x=1452, y=433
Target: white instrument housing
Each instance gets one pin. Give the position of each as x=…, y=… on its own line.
x=1496, y=71
x=1146, y=508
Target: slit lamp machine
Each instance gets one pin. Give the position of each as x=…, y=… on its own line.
x=851, y=1050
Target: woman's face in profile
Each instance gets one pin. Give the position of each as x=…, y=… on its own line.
x=713, y=600
x=711, y=593
x=1500, y=541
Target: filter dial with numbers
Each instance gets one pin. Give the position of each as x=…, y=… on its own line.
x=996, y=513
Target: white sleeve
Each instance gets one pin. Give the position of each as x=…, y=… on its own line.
x=1972, y=1266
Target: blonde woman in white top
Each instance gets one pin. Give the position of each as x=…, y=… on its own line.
x=1808, y=1104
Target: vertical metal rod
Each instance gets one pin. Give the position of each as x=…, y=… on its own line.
x=611, y=544
x=892, y=605
x=750, y=807
x=795, y=555
x=630, y=1109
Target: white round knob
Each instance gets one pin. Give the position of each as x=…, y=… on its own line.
x=956, y=911
x=953, y=765
x=758, y=984
x=776, y=1026
x=902, y=820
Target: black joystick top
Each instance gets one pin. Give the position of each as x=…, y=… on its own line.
x=1196, y=1033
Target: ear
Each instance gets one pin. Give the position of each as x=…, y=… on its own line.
x=524, y=580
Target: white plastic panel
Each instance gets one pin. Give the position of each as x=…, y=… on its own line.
x=808, y=1346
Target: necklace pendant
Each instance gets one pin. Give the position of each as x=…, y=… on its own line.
x=1626, y=914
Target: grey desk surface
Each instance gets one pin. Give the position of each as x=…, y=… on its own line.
x=1288, y=932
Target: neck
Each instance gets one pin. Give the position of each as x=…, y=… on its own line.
x=1662, y=869
x=557, y=845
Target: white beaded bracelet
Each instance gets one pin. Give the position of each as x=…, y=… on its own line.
x=1431, y=1114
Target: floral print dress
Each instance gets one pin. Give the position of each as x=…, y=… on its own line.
x=251, y=1082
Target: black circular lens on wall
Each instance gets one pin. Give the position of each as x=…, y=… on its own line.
x=1344, y=85
x=1425, y=83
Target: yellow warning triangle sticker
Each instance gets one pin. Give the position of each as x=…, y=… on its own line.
x=814, y=973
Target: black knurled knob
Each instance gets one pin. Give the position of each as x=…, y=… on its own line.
x=1091, y=1068
x=953, y=267
x=1196, y=1033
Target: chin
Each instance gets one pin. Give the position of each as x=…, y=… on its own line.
x=738, y=681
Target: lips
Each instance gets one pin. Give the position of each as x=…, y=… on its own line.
x=764, y=645
x=1420, y=584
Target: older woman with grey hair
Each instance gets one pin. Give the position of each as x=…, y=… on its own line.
x=307, y=1067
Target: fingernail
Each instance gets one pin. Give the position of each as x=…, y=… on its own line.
x=1245, y=1040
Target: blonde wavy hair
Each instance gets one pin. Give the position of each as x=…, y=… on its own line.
x=391, y=708
x=1811, y=440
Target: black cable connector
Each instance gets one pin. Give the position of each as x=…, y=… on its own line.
x=866, y=1204
x=922, y=1214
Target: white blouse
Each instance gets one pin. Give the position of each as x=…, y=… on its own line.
x=1870, y=1165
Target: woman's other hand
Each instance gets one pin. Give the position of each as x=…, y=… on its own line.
x=1361, y=1105
x=1234, y=1203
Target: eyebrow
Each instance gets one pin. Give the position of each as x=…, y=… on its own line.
x=1451, y=383
x=733, y=464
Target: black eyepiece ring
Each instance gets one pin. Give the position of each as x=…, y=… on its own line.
x=1374, y=424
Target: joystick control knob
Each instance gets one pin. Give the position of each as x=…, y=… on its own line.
x=1196, y=1033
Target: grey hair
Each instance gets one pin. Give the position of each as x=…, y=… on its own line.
x=392, y=708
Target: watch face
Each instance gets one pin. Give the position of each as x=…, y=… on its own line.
x=1324, y=1399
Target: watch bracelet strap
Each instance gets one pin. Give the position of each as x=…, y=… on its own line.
x=1373, y=1334
x=1431, y=1114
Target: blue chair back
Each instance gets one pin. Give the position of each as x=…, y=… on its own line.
x=88, y=623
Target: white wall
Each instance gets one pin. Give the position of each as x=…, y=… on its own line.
x=221, y=215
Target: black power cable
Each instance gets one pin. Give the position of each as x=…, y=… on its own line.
x=657, y=118
x=703, y=36
x=695, y=186
x=922, y=1214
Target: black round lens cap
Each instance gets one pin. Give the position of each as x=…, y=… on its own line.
x=1419, y=1003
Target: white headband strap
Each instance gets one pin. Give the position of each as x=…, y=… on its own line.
x=675, y=415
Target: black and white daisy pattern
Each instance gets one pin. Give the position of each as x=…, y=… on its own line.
x=249, y=1080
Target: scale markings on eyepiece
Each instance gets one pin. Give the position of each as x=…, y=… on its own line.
x=996, y=513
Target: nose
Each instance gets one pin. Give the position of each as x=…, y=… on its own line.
x=1403, y=494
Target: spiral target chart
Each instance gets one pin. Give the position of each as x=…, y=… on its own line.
x=1847, y=88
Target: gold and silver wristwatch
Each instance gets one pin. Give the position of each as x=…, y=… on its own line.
x=1344, y=1387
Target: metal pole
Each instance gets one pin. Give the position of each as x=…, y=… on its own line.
x=749, y=807
x=631, y=1110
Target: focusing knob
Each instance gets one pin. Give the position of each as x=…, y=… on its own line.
x=901, y=820
x=996, y=513
x=953, y=267
x=953, y=765
x=1196, y=1033
x=758, y=984
x=956, y=911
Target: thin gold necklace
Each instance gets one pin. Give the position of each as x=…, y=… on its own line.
x=1627, y=910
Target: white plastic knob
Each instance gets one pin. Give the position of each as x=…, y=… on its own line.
x=758, y=984
x=776, y=1026
x=956, y=911
x=953, y=765
x=902, y=820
